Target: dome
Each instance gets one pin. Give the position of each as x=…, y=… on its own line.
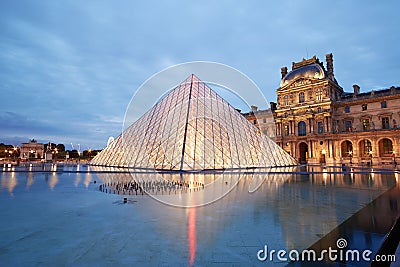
x=312, y=71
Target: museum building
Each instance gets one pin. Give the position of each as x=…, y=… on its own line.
x=316, y=121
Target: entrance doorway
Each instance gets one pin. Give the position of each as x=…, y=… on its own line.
x=303, y=148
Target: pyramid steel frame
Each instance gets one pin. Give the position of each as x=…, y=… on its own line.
x=192, y=128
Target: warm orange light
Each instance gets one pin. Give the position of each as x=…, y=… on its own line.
x=192, y=235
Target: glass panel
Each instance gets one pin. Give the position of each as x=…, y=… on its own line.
x=192, y=128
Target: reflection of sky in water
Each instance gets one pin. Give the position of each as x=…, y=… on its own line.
x=76, y=224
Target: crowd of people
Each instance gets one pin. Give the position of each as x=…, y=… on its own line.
x=150, y=187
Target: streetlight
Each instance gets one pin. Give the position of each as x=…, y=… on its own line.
x=351, y=156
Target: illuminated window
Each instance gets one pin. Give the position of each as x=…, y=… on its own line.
x=367, y=147
x=286, y=130
x=387, y=146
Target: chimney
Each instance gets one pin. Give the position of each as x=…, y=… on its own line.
x=254, y=109
x=356, y=89
x=283, y=71
x=329, y=65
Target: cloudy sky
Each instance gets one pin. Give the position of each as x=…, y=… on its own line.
x=68, y=69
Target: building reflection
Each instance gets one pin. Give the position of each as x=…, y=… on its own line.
x=9, y=181
x=305, y=205
x=29, y=180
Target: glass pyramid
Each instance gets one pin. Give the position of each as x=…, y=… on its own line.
x=192, y=128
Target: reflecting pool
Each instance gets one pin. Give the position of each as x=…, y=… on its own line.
x=77, y=215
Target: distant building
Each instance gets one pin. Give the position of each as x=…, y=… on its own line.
x=317, y=122
x=33, y=149
x=263, y=119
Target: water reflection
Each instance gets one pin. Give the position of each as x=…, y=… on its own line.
x=51, y=179
x=29, y=180
x=367, y=228
x=9, y=181
x=287, y=208
x=192, y=234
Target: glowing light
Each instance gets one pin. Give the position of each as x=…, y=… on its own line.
x=192, y=235
x=187, y=134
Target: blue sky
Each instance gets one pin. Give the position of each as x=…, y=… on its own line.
x=69, y=68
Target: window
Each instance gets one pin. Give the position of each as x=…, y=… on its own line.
x=348, y=125
x=387, y=146
x=347, y=109
x=367, y=147
x=310, y=94
x=383, y=104
x=385, y=123
x=364, y=107
x=320, y=127
x=264, y=120
x=286, y=100
x=302, y=128
x=286, y=130
x=319, y=109
x=365, y=124
x=255, y=121
x=301, y=97
x=318, y=94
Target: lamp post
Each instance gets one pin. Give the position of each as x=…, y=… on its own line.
x=351, y=156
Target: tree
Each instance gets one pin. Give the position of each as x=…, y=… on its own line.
x=60, y=147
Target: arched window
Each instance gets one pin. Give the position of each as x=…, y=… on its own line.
x=301, y=97
x=366, y=148
x=286, y=100
x=318, y=94
x=385, y=147
x=302, y=128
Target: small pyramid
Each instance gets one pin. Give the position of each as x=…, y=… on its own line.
x=192, y=128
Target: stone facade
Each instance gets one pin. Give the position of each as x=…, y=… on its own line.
x=263, y=119
x=317, y=122
x=33, y=149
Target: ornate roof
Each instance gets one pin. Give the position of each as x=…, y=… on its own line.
x=312, y=71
